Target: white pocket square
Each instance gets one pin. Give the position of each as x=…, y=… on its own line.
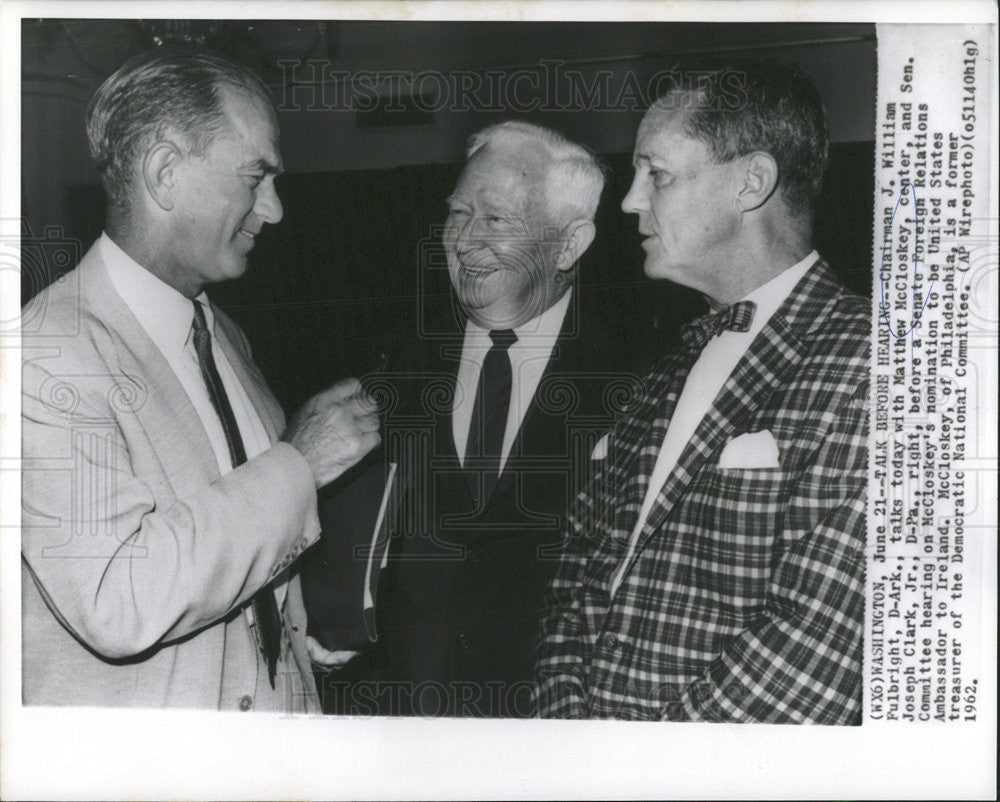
x=601, y=448
x=752, y=450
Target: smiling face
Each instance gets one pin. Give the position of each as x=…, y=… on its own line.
x=686, y=203
x=500, y=262
x=225, y=196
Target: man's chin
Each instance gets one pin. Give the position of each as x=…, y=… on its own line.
x=655, y=269
x=503, y=315
x=475, y=292
x=235, y=267
x=659, y=268
x=474, y=304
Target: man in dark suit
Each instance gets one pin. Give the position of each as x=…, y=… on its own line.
x=714, y=568
x=491, y=440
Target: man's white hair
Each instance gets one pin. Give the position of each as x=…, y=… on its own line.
x=574, y=180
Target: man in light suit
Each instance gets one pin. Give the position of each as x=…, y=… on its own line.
x=493, y=434
x=165, y=500
x=714, y=569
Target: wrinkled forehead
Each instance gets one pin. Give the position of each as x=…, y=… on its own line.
x=666, y=114
x=505, y=177
x=662, y=137
x=253, y=118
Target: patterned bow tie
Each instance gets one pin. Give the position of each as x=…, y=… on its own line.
x=737, y=317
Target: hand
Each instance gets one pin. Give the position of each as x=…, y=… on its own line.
x=334, y=429
x=326, y=658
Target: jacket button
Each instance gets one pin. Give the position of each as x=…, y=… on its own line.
x=610, y=641
x=246, y=703
x=464, y=641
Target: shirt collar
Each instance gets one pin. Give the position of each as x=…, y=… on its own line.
x=164, y=313
x=769, y=296
x=540, y=331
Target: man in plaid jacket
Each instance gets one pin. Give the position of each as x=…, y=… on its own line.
x=713, y=568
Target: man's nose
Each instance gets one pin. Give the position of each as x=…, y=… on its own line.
x=267, y=205
x=467, y=234
x=635, y=200
x=463, y=245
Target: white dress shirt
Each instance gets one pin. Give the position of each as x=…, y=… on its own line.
x=708, y=375
x=167, y=317
x=528, y=358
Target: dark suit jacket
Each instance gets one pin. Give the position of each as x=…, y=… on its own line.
x=459, y=602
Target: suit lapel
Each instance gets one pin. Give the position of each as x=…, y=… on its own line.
x=445, y=453
x=250, y=379
x=649, y=427
x=536, y=428
x=775, y=352
x=540, y=429
x=165, y=411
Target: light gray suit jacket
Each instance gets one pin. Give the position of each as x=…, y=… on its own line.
x=138, y=558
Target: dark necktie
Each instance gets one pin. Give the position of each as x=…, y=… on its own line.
x=489, y=414
x=265, y=608
x=737, y=317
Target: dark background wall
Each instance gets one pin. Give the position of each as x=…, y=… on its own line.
x=355, y=267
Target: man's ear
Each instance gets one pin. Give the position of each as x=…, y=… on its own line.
x=760, y=179
x=576, y=238
x=159, y=173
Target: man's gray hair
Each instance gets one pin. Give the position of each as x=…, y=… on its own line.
x=155, y=93
x=574, y=180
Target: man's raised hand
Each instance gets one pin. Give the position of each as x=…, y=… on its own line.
x=334, y=429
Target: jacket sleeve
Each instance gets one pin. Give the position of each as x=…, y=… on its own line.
x=123, y=570
x=802, y=661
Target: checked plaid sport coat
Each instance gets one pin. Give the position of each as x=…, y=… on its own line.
x=743, y=600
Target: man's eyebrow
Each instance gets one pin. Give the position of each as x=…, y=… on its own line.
x=496, y=201
x=489, y=202
x=262, y=165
